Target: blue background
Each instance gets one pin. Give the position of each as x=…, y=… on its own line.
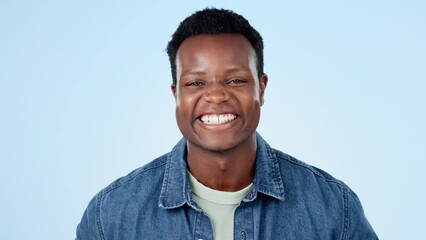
x=85, y=98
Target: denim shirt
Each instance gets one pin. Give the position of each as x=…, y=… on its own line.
x=289, y=200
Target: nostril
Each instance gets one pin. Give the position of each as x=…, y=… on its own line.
x=217, y=94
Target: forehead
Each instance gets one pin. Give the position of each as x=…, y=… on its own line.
x=215, y=53
x=225, y=38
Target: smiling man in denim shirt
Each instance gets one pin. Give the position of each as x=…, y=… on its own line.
x=222, y=180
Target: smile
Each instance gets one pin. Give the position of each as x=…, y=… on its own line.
x=213, y=119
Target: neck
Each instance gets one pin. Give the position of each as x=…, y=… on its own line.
x=229, y=170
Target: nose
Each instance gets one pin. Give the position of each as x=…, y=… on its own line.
x=216, y=93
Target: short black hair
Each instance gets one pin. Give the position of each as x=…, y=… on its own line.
x=215, y=21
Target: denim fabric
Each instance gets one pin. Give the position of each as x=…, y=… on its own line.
x=289, y=200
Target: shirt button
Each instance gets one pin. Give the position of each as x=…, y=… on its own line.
x=243, y=235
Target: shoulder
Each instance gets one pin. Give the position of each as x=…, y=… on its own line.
x=143, y=173
x=318, y=189
x=139, y=185
x=139, y=180
x=312, y=187
x=296, y=170
x=122, y=198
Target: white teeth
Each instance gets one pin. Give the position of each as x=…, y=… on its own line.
x=218, y=119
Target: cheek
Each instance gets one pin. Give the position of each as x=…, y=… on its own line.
x=185, y=104
x=181, y=99
x=249, y=99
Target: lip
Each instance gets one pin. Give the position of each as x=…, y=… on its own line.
x=217, y=118
x=220, y=126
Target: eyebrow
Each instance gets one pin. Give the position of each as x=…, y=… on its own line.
x=237, y=69
x=196, y=73
x=228, y=71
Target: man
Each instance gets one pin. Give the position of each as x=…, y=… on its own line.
x=222, y=180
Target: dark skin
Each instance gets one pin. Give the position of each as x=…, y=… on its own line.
x=218, y=98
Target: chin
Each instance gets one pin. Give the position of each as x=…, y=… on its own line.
x=219, y=149
x=218, y=144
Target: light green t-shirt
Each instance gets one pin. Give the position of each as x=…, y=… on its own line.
x=219, y=206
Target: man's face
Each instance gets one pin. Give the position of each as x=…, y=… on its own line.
x=218, y=92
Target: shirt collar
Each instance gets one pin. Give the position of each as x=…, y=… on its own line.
x=176, y=191
x=267, y=178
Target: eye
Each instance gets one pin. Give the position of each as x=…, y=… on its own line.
x=237, y=81
x=194, y=84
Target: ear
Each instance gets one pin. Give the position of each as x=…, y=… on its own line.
x=173, y=88
x=262, y=86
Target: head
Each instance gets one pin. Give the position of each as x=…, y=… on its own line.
x=218, y=82
x=211, y=21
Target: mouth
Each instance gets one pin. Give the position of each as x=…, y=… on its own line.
x=215, y=119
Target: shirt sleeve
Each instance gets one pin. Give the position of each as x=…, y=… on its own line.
x=89, y=227
x=356, y=225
